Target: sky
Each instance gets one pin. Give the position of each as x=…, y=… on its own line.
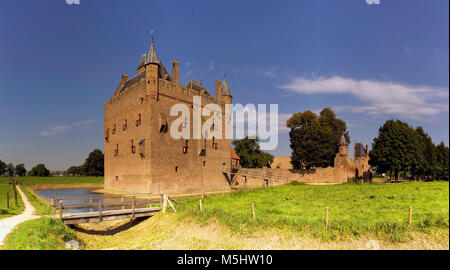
x=59, y=63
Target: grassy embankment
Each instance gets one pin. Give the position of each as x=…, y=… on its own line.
x=39, y=234
x=354, y=209
x=13, y=209
x=291, y=217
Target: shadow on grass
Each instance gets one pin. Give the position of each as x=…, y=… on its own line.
x=111, y=231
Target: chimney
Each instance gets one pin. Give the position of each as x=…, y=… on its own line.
x=218, y=92
x=176, y=72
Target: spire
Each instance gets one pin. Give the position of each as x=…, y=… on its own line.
x=343, y=141
x=152, y=58
x=225, y=88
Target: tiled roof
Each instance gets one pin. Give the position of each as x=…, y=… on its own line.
x=198, y=86
x=360, y=151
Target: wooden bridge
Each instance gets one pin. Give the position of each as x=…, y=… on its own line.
x=100, y=208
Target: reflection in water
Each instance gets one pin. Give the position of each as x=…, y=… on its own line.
x=48, y=193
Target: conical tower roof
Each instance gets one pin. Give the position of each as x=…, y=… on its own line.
x=343, y=141
x=225, y=88
x=152, y=58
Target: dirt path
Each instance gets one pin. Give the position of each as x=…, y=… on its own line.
x=8, y=224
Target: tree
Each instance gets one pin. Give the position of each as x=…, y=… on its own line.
x=20, y=170
x=39, y=170
x=75, y=170
x=3, y=168
x=396, y=149
x=250, y=154
x=426, y=159
x=314, y=139
x=442, y=161
x=94, y=164
x=10, y=170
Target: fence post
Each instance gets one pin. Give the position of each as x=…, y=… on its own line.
x=410, y=215
x=201, y=206
x=90, y=204
x=53, y=205
x=100, y=210
x=7, y=199
x=121, y=201
x=133, y=205
x=60, y=209
x=15, y=191
x=164, y=206
x=326, y=217
x=253, y=210
x=149, y=200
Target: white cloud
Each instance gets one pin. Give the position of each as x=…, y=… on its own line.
x=271, y=73
x=380, y=98
x=60, y=129
x=212, y=66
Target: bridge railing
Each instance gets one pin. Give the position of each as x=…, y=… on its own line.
x=102, y=202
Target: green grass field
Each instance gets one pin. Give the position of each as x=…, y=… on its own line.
x=354, y=209
x=73, y=180
x=13, y=209
x=39, y=234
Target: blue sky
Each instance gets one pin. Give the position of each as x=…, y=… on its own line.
x=59, y=63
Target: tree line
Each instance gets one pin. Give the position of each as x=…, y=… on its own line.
x=401, y=150
x=93, y=166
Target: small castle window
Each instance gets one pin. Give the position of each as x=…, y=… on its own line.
x=133, y=148
x=117, y=178
x=204, y=163
x=116, y=151
x=185, y=147
x=125, y=125
x=114, y=129
x=138, y=121
x=176, y=169
x=142, y=100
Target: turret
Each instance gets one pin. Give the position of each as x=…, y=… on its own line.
x=150, y=65
x=343, y=145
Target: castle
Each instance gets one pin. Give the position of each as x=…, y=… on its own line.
x=141, y=155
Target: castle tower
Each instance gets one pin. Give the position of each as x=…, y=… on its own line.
x=343, y=146
x=150, y=65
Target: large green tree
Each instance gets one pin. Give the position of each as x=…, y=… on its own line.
x=39, y=170
x=20, y=170
x=250, y=154
x=94, y=164
x=426, y=158
x=314, y=139
x=396, y=149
